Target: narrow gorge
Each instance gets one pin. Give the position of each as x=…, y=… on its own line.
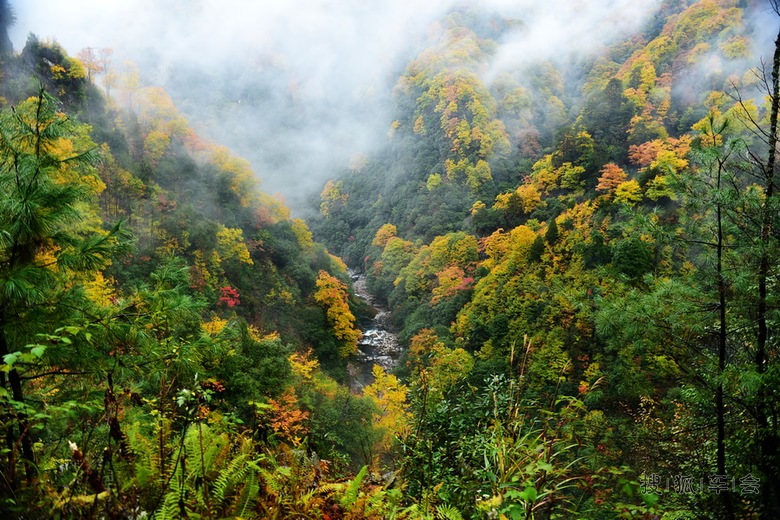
x=378, y=345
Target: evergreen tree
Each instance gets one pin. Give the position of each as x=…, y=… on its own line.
x=45, y=242
x=7, y=19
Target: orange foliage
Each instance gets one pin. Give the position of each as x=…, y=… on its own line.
x=286, y=418
x=384, y=234
x=612, y=176
x=662, y=154
x=451, y=280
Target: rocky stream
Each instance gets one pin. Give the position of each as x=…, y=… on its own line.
x=378, y=346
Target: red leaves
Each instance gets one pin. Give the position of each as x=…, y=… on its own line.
x=228, y=296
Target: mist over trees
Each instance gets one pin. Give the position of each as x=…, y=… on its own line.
x=568, y=214
x=321, y=75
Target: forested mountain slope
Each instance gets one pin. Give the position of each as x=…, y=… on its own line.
x=578, y=252
x=163, y=321
x=591, y=239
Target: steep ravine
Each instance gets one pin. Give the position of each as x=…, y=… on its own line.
x=378, y=346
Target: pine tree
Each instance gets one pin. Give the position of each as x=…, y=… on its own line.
x=7, y=19
x=766, y=351
x=46, y=183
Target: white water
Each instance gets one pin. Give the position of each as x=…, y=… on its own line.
x=378, y=346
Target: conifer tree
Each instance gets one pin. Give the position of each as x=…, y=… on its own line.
x=7, y=19
x=45, y=239
x=766, y=349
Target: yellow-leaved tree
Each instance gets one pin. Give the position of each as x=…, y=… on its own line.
x=436, y=367
x=231, y=245
x=384, y=234
x=332, y=295
x=390, y=397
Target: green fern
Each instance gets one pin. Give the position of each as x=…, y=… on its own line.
x=351, y=493
x=145, y=456
x=174, y=499
x=249, y=492
x=414, y=512
x=239, y=482
x=272, y=481
x=444, y=512
x=207, y=477
x=203, y=443
x=227, y=477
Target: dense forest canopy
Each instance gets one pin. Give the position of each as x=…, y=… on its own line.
x=567, y=216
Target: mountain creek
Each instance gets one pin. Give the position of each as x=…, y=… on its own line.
x=377, y=346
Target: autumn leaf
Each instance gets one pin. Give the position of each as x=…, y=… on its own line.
x=332, y=295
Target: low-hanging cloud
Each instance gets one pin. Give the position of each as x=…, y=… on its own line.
x=295, y=87
x=298, y=87
x=560, y=29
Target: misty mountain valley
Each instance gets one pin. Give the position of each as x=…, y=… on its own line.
x=439, y=260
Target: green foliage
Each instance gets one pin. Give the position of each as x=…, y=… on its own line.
x=203, y=475
x=47, y=241
x=551, y=235
x=574, y=278
x=132, y=357
x=633, y=257
x=350, y=493
x=257, y=366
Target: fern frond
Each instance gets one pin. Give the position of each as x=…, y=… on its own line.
x=249, y=493
x=272, y=481
x=414, y=512
x=228, y=477
x=329, y=488
x=351, y=493
x=444, y=512
x=171, y=508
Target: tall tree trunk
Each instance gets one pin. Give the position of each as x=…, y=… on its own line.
x=720, y=407
x=768, y=437
x=23, y=437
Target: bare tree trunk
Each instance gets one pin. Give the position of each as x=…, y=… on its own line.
x=768, y=437
x=23, y=437
x=720, y=407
